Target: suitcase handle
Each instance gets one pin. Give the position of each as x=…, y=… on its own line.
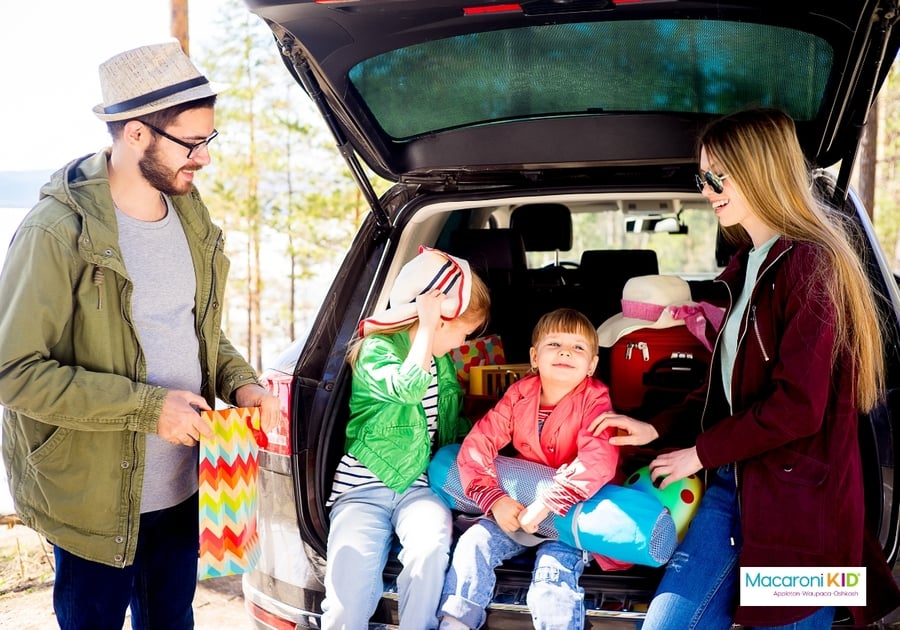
x=681, y=373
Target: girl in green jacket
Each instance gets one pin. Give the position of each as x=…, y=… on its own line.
x=404, y=401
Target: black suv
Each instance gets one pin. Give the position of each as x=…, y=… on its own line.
x=551, y=143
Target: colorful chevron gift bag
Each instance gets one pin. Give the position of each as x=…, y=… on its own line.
x=229, y=467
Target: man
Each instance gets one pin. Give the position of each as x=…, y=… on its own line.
x=110, y=343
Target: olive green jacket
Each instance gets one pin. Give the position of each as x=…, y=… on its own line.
x=72, y=373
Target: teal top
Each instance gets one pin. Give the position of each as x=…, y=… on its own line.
x=738, y=313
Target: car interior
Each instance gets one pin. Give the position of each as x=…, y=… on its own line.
x=537, y=254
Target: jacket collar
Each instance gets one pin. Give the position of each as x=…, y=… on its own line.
x=733, y=274
x=83, y=186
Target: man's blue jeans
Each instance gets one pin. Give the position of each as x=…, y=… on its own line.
x=159, y=586
x=699, y=589
x=555, y=599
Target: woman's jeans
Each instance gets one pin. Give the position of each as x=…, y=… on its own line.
x=159, y=586
x=699, y=589
x=363, y=523
x=555, y=599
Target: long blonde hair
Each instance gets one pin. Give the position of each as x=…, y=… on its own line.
x=478, y=310
x=759, y=151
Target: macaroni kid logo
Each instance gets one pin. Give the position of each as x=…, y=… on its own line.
x=803, y=586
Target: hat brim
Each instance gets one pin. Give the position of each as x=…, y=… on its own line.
x=618, y=326
x=193, y=94
x=399, y=316
x=388, y=319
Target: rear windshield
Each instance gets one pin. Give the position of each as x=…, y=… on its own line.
x=691, y=66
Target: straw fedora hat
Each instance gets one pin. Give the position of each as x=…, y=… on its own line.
x=648, y=302
x=148, y=79
x=430, y=269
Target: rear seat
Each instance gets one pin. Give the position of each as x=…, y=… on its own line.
x=545, y=227
x=603, y=274
x=498, y=257
x=520, y=295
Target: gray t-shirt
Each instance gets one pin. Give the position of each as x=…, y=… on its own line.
x=159, y=263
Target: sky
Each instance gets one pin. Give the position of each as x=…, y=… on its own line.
x=50, y=52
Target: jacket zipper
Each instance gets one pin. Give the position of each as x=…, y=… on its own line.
x=751, y=311
x=759, y=340
x=737, y=479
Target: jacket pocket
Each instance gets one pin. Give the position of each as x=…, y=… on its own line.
x=783, y=502
x=64, y=481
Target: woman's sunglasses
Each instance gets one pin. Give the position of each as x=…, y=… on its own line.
x=714, y=181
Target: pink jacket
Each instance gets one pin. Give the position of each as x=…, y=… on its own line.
x=584, y=463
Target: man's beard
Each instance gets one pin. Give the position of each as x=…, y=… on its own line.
x=161, y=177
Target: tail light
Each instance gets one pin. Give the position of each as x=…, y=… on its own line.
x=270, y=620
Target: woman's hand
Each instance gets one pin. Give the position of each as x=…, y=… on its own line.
x=670, y=467
x=630, y=432
x=506, y=512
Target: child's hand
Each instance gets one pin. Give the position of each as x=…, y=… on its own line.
x=428, y=308
x=532, y=516
x=506, y=512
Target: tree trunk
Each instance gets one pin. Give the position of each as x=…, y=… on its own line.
x=179, y=24
x=868, y=160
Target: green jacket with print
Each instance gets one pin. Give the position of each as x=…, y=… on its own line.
x=388, y=431
x=72, y=373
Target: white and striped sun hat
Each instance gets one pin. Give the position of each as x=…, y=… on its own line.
x=430, y=269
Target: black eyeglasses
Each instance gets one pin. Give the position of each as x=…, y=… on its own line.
x=187, y=145
x=714, y=181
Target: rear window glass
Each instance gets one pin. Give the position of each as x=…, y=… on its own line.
x=691, y=66
x=691, y=255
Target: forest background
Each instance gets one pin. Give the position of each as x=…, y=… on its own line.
x=289, y=206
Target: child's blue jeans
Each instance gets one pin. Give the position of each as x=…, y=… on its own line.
x=699, y=589
x=363, y=524
x=555, y=599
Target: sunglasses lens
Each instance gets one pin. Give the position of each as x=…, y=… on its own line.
x=714, y=181
x=699, y=182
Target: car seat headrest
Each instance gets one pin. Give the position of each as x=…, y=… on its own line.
x=545, y=227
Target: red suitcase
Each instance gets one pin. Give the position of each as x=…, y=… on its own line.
x=667, y=362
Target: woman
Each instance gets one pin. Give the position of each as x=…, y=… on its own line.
x=797, y=359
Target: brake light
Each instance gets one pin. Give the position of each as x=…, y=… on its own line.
x=270, y=619
x=493, y=8
x=279, y=384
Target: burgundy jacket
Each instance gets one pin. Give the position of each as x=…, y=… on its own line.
x=792, y=432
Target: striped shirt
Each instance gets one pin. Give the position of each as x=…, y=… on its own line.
x=352, y=474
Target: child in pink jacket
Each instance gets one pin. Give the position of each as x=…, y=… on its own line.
x=546, y=417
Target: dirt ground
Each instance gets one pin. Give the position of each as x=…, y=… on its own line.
x=26, y=588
